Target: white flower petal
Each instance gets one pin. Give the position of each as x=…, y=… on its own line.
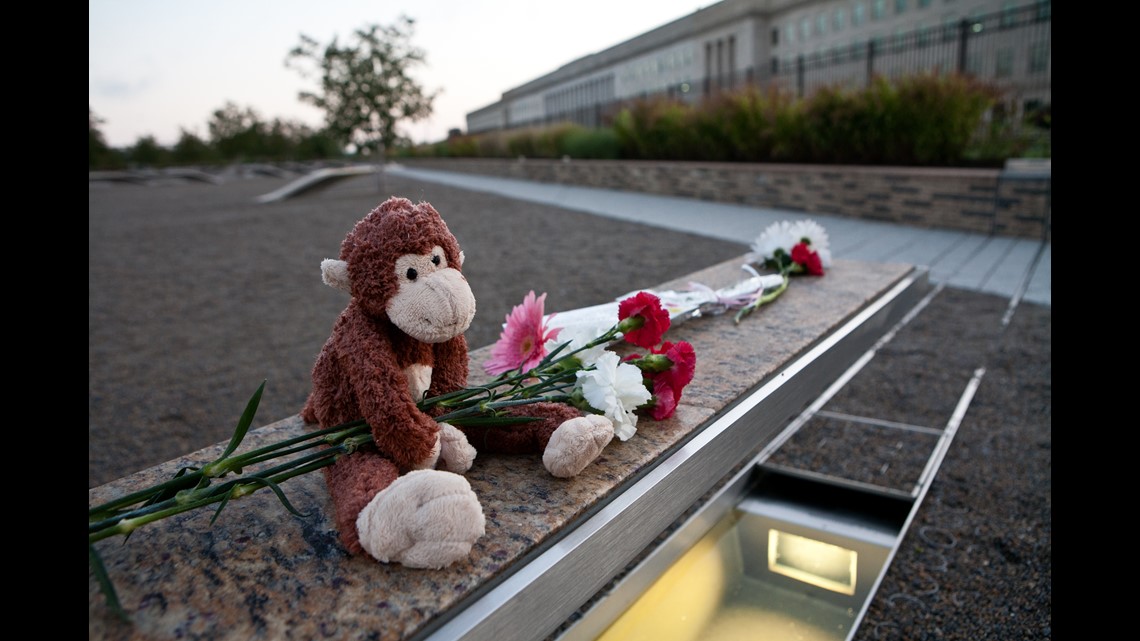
x=615, y=389
x=785, y=234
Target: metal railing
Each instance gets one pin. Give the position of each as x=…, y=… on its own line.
x=1009, y=49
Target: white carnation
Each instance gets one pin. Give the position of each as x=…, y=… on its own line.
x=615, y=389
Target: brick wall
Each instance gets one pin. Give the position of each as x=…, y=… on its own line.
x=987, y=201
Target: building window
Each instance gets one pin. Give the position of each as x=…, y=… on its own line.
x=858, y=14
x=922, y=4
x=878, y=9
x=775, y=65
x=775, y=37
x=790, y=34
x=974, y=64
x=950, y=28
x=900, y=6
x=1003, y=63
x=1008, y=17
x=1043, y=9
x=898, y=39
x=708, y=67
x=1038, y=57
x=838, y=17
x=805, y=28
x=719, y=63
x=922, y=33
x=821, y=24
x=732, y=61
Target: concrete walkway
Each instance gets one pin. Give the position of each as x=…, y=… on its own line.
x=1017, y=268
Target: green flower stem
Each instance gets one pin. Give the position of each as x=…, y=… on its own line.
x=195, y=477
x=764, y=298
x=490, y=407
x=194, y=488
x=195, y=498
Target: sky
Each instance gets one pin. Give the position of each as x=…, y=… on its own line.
x=156, y=68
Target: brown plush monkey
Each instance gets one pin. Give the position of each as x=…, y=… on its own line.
x=401, y=338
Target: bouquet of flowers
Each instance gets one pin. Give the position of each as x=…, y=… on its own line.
x=790, y=248
x=530, y=356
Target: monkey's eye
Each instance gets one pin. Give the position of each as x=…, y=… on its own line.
x=435, y=259
x=412, y=273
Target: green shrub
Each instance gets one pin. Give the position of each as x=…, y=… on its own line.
x=492, y=145
x=940, y=116
x=834, y=128
x=658, y=129
x=462, y=147
x=925, y=119
x=522, y=143
x=1001, y=139
x=744, y=124
x=596, y=143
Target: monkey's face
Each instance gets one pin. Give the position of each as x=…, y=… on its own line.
x=433, y=302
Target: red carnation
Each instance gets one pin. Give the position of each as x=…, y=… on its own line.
x=668, y=384
x=643, y=320
x=803, y=255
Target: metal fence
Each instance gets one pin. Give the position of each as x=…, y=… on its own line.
x=1010, y=49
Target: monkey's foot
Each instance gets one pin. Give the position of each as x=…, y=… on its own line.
x=424, y=519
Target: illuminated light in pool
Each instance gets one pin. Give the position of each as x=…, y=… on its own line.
x=814, y=562
x=682, y=601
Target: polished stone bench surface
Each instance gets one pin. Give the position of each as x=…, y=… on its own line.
x=260, y=572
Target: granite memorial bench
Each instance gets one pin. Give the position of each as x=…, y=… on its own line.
x=260, y=572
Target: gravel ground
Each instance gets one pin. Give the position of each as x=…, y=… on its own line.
x=197, y=295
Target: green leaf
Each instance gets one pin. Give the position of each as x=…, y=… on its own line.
x=169, y=492
x=105, y=585
x=264, y=482
x=245, y=422
x=222, y=504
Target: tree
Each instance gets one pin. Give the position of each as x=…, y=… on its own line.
x=99, y=154
x=365, y=90
x=191, y=150
x=235, y=132
x=146, y=152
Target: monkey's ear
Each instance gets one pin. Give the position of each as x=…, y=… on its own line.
x=461, y=257
x=335, y=274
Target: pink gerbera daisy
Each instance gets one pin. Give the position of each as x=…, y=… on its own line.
x=522, y=344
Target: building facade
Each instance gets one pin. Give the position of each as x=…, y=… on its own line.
x=795, y=46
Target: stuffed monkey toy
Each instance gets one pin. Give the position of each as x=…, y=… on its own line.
x=399, y=340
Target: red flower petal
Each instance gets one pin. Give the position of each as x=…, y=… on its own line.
x=649, y=308
x=803, y=255
x=665, y=401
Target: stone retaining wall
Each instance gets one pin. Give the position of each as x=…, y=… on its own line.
x=987, y=201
